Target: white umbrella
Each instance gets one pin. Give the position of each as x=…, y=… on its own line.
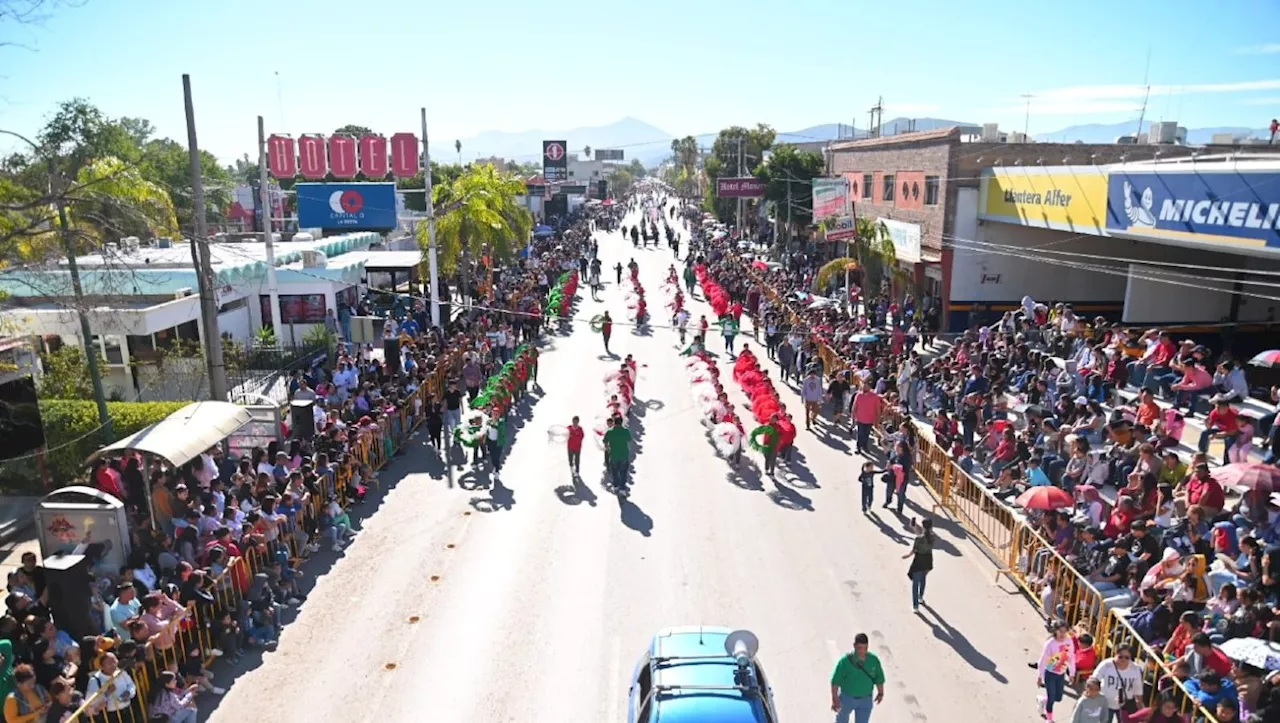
x=1253, y=651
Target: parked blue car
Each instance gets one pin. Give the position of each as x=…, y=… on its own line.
x=701, y=675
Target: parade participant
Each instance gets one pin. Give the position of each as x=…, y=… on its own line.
x=617, y=442
x=703, y=325
x=574, y=445
x=617, y=273
x=765, y=440
x=642, y=311
x=689, y=279
x=681, y=321
x=729, y=330
x=606, y=330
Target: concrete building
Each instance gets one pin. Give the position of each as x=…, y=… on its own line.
x=925, y=187
x=143, y=298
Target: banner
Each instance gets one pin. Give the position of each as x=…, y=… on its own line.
x=740, y=187
x=1073, y=198
x=831, y=198
x=608, y=154
x=906, y=239
x=555, y=161
x=840, y=229
x=347, y=206
x=1206, y=205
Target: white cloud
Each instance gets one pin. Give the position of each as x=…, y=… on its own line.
x=1267, y=49
x=1270, y=100
x=1101, y=99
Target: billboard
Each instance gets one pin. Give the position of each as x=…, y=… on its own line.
x=831, y=198
x=342, y=156
x=555, y=160
x=608, y=154
x=1232, y=207
x=906, y=239
x=740, y=187
x=347, y=206
x=841, y=229
x=1072, y=198
x=579, y=189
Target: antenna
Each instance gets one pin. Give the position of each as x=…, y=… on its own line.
x=1145, y=75
x=1026, y=123
x=877, y=115
x=280, y=98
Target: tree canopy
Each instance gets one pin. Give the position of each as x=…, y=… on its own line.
x=789, y=175
x=724, y=161
x=477, y=214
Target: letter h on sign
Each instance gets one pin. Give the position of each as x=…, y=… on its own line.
x=282, y=162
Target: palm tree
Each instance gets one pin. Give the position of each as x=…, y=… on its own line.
x=477, y=214
x=586, y=151
x=870, y=251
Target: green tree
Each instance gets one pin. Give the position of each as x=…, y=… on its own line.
x=871, y=251
x=586, y=152
x=65, y=374
x=636, y=169
x=352, y=129
x=620, y=180
x=789, y=175
x=685, y=156
x=168, y=164
x=440, y=174
x=734, y=146
x=477, y=214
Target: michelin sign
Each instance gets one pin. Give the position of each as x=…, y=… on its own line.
x=1211, y=206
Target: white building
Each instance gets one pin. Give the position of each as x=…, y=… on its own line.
x=142, y=298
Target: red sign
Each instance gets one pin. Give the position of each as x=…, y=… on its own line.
x=373, y=156
x=282, y=161
x=312, y=163
x=555, y=151
x=342, y=156
x=740, y=187
x=405, y=162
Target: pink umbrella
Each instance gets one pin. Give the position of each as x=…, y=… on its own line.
x=1045, y=498
x=1255, y=476
x=759, y=265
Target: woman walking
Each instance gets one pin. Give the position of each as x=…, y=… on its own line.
x=1057, y=666
x=921, y=555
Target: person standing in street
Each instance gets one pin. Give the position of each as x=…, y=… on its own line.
x=921, y=555
x=811, y=392
x=1121, y=680
x=729, y=330
x=617, y=441
x=574, y=445
x=857, y=683
x=866, y=410
x=606, y=330
x=1057, y=665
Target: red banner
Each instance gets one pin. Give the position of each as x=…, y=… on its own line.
x=405, y=161
x=342, y=156
x=282, y=161
x=740, y=187
x=373, y=157
x=311, y=157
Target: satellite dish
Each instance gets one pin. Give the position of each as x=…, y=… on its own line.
x=742, y=645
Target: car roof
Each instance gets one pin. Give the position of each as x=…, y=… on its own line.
x=699, y=706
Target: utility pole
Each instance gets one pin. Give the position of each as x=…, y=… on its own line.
x=741, y=173
x=200, y=255
x=877, y=115
x=1026, y=123
x=788, y=211
x=77, y=291
x=431, y=226
x=268, y=237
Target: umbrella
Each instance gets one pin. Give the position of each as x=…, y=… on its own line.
x=762, y=266
x=1045, y=498
x=542, y=231
x=863, y=338
x=1253, y=475
x=1252, y=651
x=1267, y=359
x=608, y=202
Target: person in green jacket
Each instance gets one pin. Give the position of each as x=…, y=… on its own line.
x=857, y=683
x=6, y=668
x=690, y=279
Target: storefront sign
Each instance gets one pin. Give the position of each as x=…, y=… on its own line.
x=740, y=187
x=1072, y=198
x=1208, y=205
x=555, y=160
x=906, y=239
x=314, y=156
x=841, y=228
x=831, y=198
x=347, y=206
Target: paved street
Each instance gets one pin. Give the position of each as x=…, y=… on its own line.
x=531, y=600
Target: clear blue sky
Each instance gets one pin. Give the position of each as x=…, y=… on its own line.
x=687, y=66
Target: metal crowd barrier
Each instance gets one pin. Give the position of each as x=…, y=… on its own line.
x=1022, y=554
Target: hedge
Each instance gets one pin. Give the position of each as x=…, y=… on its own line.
x=70, y=433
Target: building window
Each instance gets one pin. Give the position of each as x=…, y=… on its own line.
x=888, y=187
x=868, y=186
x=931, y=190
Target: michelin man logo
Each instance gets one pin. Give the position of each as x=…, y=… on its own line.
x=1140, y=215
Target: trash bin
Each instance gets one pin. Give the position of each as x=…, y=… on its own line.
x=71, y=519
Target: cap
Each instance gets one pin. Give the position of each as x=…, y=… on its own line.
x=1082, y=400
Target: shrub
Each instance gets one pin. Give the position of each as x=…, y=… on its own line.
x=71, y=433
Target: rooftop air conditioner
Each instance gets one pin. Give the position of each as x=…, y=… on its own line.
x=183, y=293
x=312, y=259
x=131, y=243
x=164, y=242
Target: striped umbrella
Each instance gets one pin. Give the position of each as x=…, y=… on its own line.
x=1266, y=359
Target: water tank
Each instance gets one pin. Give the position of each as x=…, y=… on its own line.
x=1162, y=132
x=991, y=132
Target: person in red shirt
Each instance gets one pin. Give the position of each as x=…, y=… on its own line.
x=786, y=435
x=1224, y=423
x=1205, y=491
x=574, y=445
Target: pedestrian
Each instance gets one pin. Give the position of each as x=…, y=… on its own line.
x=495, y=438
x=857, y=683
x=606, y=329
x=617, y=269
x=1121, y=680
x=901, y=461
x=729, y=330
x=811, y=392
x=1057, y=666
x=921, y=555
x=618, y=443
x=866, y=410
x=894, y=478
x=1091, y=707
x=574, y=445
x=868, y=480
x=786, y=359
x=452, y=409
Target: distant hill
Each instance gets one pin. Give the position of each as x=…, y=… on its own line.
x=634, y=136
x=1108, y=132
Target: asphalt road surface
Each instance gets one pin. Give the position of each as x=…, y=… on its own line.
x=531, y=600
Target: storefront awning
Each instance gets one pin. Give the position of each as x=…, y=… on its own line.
x=183, y=435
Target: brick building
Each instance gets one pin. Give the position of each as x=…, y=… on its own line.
x=913, y=181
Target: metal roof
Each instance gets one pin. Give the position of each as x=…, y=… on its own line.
x=183, y=435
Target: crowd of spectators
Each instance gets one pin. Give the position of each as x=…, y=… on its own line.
x=217, y=545
x=1045, y=398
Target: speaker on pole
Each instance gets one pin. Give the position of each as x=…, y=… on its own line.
x=391, y=350
x=303, y=417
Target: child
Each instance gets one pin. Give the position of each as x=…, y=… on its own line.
x=1086, y=654
x=192, y=671
x=1092, y=706
x=868, y=480
x=1240, y=451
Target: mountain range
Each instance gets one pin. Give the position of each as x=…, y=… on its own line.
x=650, y=144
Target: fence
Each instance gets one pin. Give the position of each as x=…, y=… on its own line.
x=256, y=369
x=1020, y=552
x=196, y=626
